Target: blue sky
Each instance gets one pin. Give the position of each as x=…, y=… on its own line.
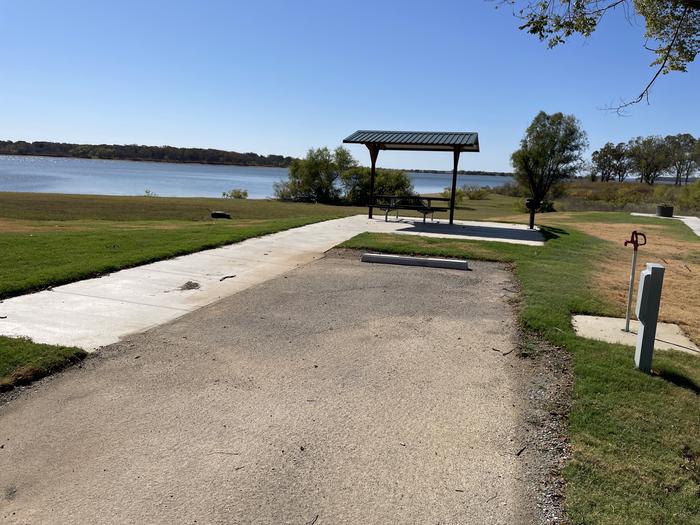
x=282, y=76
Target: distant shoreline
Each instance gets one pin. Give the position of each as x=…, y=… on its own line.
x=142, y=153
x=464, y=173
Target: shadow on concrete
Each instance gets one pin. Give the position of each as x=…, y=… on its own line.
x=679, y=380
x=678, y=346
x=493, y=232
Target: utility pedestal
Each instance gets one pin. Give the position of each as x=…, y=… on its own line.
x=648, y=300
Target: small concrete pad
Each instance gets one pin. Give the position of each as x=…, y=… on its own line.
x=669, y=336
x=429, y=262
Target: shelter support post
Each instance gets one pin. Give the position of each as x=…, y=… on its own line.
x=373, y=153
x=453, y=193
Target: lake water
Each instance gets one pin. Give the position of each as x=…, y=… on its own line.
x=114, y=177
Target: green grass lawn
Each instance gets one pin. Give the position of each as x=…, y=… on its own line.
x=48, y=240
x=22, y=361
x=61, y=253
x=492, y=207
x=52, y=239
x=61, y=207
x=635, y=438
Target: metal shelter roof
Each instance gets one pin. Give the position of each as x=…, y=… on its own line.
x=456, y=142
x=417, y=140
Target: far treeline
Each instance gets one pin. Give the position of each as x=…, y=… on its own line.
x=647, y=159
x=467, y=172
x=143, y=153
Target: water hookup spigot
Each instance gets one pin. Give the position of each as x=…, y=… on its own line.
x=634, y=241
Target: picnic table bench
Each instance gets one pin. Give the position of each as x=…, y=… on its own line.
x=423, y=205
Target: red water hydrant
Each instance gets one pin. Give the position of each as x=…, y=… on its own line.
x=634, y=241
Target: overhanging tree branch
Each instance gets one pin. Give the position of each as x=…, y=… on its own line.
x=672, y=28
x=645, y=92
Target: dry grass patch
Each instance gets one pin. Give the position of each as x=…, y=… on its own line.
x=16, y=226
x=28, y=226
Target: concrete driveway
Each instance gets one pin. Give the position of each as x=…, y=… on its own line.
x=339, y=392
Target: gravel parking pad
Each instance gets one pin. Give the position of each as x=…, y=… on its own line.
x=340, y=392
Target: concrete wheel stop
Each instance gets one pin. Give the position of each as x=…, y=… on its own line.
x=428, y=262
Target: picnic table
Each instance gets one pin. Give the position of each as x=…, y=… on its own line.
x=422, y=204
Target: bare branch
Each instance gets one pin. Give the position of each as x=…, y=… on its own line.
x=644, y=95
x=549, y=8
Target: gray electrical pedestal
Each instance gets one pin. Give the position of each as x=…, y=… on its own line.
x=648, y=300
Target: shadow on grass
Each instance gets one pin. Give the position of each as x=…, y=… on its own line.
x=679, y=380
x=550, y=232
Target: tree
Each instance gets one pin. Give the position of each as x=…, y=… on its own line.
x=672, y=27
x=650, y=157
x=602, y=163
x=550, y=151
x=681, y=149
x=589, y=167
x=356, y=182
x=314, y=178
x=611, y=162
x=621, y=162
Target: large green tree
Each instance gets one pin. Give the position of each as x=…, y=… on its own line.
x=650, y=157
x=681, y=149
x=672, y=27
x=315, y=177
x=602, y=163
x=611, y=162
x=550, y=151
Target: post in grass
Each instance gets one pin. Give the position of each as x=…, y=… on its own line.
x=651, y=281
